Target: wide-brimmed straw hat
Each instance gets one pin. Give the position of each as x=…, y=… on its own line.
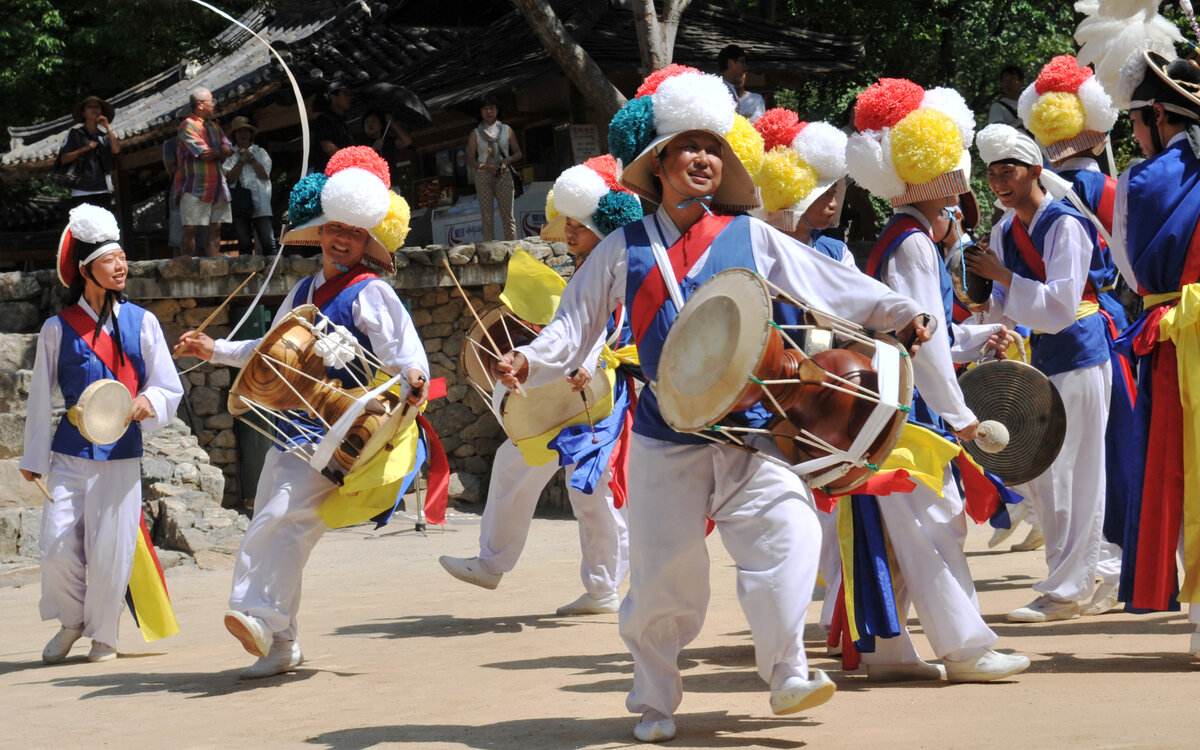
x=803, y=161
x=590, y=194
x=242, y=123
x=106, y=109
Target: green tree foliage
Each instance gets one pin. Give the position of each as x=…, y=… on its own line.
x=54, y=52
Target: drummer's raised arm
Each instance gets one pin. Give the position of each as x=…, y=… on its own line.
x=582, y=317
x=828, y=284
x=235, y=353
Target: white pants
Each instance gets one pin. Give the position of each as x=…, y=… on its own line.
x=830, y=566
x=1069, y=496
x=512, y=498
x=766, y=522
x=927, y=534
x=285, y=528
x=89, y=534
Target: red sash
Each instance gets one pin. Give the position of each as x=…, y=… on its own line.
x=1033, y=258
x=653, y=293
x=1108, y=199
x=103, y=346
x=901, y=225
x=333, y=287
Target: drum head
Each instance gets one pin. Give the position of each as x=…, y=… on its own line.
x=1025, y=401
x=713, y=348
x=550, y=405
x=104, y=412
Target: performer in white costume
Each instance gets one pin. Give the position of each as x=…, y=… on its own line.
x=761, y=510
x=588, y=209
x=89, y=532
x=351, y=213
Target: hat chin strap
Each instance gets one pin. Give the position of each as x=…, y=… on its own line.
x=703, y=200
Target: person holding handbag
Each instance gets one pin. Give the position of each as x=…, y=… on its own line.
x=491, y=152
x=248, y=172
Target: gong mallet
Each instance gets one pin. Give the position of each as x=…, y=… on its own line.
x=42, y=486
x=466, y=299
x=586, y=409
x=212, y=316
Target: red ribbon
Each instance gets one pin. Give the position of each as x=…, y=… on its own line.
x=102, y=345
x=333, y=287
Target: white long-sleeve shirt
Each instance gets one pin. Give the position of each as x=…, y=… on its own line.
x=795, y=268
x=913, y=270
x=377, y=312
x=1048, y=307
x=1120, y=254
x=163, y=389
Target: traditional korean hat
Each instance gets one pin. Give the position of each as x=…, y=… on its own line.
x=590, y=194
x=678, y=99
x=352, y=190
x=911, y=143
x=1066, y=109
x=1114, y=37
x=91, y=233
x=802, y=161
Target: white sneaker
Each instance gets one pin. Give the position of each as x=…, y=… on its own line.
x=1103, y=600
x=1195, y=649
x=654, y=727
x=283, y=657
x=101, y=652
x=1032, y=541
x=586, y=605
x=797, y=694
x=60, y=645
x=252, y=631
x=1045, y=609
x=1016, y=513
x=469, y=569
x=905, y=672
x=988, y=666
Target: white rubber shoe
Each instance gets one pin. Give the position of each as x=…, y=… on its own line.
x=797, y=694
x=1104, y=600
x=1032, y=541
x=60, y=645
x=654, y=727
x=586, y=605
x=988, y=666
x=283, y=657
x=101, y=652
x=469, y=569
x=1045, y=609
x=1016, y=513
x=252, y=631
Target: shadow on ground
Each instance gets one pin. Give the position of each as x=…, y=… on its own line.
x=447, y=626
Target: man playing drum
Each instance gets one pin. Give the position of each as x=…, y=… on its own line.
x=1040, y=257
x=927, y=528
x=588, y=210
x=352, y=215
x=762, y=510
x=89, y=531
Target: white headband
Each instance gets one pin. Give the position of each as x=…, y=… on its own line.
x=107, y=247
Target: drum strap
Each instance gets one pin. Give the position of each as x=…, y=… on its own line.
x=675, y=264
x=102, y=345
x=335, y=286
x=1033, y=258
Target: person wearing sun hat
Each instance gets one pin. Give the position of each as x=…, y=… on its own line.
x=910, y=148
x=585, y=206
x=680, y=142
x=1156, y=212
x=91, y=144
x=89, y=531
x=349, y=212
x=1040, y=256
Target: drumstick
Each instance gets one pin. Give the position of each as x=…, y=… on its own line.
x=42, y=487
x=214, y=313
x=482, y=327
x=586, y=409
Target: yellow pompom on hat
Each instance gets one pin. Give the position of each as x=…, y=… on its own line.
x=1066, y=109
x=910, y=141
x=806, y=160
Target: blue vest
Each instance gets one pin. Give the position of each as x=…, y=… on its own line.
x=830, y=246
x=731, y=249
x=1081, y=344
x=1164, y=191
x=79, y=367
x=339, y=310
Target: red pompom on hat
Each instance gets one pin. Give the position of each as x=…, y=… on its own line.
x=655, y=79
x=1061, y=74
x=606, y=166
x=778, y=127
x=883, y=104
x=362, y=157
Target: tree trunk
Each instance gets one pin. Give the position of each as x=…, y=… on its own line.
x=574, y=60
x=656, y=36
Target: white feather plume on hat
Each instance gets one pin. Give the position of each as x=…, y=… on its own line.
x=1113, y=36
x=93, y=224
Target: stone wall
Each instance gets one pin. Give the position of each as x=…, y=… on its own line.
x=184, y=291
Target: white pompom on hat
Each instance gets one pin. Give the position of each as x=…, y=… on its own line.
x=91, y=232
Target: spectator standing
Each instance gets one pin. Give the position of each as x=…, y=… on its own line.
x=1004, y=109
x=92, y=143
x=204, y=195
x=330, y=131
x=731, y=61
x=491, y=150
x=248, y=173
x=382, y=133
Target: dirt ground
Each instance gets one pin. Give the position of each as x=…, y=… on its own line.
x=401, y=655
